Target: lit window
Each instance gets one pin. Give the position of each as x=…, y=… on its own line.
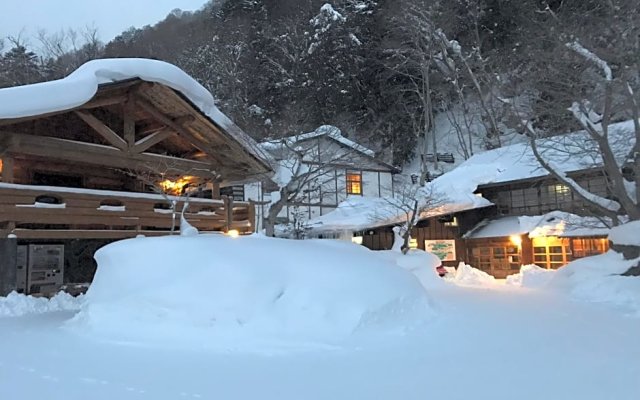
x=413, y=243
x=356, y=239
x=561, y=189
x=354, y=183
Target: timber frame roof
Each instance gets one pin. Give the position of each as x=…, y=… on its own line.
x=138, y=125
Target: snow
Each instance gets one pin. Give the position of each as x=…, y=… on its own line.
x=360, y=212
x=325, y=130
x=466, y=275
x=531, y=276
x=549, y=347
x=555, y=223
x=627, y=234
x=81, y=85
x=112, y=208
x=590, y=56
x=250, y=293
x=570, y=152
x=420, y=263
x=42, y=205
x=597, y=279
x=15, y=304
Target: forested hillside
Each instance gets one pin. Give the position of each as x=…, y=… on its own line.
x=379, y=70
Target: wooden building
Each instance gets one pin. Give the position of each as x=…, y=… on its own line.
x=114, y=156
x=348, y=169
x=502, y=210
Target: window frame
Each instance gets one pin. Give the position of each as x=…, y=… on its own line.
x=351, y=183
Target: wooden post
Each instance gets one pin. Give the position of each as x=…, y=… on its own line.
x=8, y=262
x=526, y=249
x=228, y=210
x=129, y=124
x=215, y=191
x=252, y=216
x=7, y=169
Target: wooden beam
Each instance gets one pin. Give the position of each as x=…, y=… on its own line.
x=96, y=103
x=159, y=116
x=104, y=131
x=129, y=127
x=178, y=125
x=151, y=140
x=70, y=150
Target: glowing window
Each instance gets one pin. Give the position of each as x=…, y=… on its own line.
x=354, y=183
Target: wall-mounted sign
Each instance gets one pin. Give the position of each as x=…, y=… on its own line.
x=445, y=250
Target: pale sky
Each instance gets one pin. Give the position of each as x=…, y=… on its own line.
x=111, y=17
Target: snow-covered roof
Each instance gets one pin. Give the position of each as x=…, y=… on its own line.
x=360, y=212
x=325, y=130
x=82, y=85
x=555, y=223
x=510, y=163
x=569, y=153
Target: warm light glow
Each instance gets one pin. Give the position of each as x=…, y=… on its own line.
x=413, y=243
x=354, y=183
x=233, y=233
x=356, y=239
x=516, y=239
x=176, y=187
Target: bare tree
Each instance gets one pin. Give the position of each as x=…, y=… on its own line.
x=413, y=62
x=409, y=205
x=595, y=116
x=304, y=168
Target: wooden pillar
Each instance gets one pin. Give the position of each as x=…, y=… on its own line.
x=252, y=216
x=7, y=169
x=526, y=248
x=215, y=191
x=228, y=211
x=129, y=124
x=8, y=260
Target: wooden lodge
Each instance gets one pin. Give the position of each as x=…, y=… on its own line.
x=502, y=210
x=119, y=164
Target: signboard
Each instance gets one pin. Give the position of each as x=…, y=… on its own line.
x=445, y=250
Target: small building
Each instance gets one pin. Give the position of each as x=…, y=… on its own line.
x=501, y=209
x=114, y=151
x=350, y=170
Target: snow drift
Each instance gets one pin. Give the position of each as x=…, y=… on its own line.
x=597, y=279
x=531, y=276
x=420, y=263
x=247, y=293
x=466, y=275
x=16, y=305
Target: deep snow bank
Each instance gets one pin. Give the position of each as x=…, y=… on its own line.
x=15, y=305
x=531, y=276
x=466, y=275
x=627, y=234
x=248, y=292
x=420, y=263
x=597, y=279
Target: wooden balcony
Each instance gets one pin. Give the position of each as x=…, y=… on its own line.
x=42, y=212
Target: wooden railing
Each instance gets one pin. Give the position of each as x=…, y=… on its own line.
x=67, y=213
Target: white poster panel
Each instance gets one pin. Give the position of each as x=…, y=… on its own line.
x=445, y=250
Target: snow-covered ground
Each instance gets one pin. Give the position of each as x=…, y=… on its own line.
x=477, y=339
x=486, y=343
